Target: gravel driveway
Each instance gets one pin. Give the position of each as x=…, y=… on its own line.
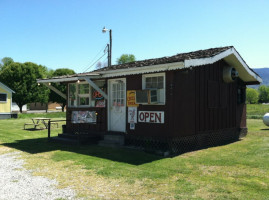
x=18, y=183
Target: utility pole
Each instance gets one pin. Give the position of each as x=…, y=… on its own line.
x=109, y=46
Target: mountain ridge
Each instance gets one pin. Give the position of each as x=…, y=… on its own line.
x=264, y=74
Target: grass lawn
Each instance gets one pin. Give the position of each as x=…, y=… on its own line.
x=256, y=111
x=236, y=171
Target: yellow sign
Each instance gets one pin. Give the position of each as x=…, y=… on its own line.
x=131, y=98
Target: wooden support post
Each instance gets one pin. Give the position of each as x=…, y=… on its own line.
x=55, y=90
x=49, y=130
x=95, y=86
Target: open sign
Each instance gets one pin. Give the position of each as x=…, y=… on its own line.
x=151, y=116
x=97, y=95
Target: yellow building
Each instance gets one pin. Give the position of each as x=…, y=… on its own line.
x=5, y=101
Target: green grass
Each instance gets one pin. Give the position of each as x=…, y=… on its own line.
x=48, y=115
x=256, y=111
x=238, y=170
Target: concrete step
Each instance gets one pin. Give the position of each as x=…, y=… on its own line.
x=112, y=141
x=106, y=143
x=117, y=139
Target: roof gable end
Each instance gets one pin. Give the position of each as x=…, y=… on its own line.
x=2, y=85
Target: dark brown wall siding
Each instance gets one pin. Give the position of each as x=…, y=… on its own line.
x=183, y=108
x=191, y=106
x=215, y=101
x=197, y=100
x=134, y=82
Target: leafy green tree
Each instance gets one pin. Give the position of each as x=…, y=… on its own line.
x=6, y=61
x=126, y=58
x=49, y=73
x=263, y=94
x=252, y=96
x=53, y=97
x=100, y=65
x=21, y=77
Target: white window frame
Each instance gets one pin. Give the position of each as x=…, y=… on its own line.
x=6, y=98
x=144, y=76
x=69, y=102
x=84, y=95
x=80, y=95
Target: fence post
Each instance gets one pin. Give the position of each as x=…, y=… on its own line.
x=49, y=130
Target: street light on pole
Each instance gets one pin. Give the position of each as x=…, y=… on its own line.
x=110, y=44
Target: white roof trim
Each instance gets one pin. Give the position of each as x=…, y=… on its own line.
x=142, y=70
x=2, y=85
x=55, y=80
x=232, y=58
x=70, y=79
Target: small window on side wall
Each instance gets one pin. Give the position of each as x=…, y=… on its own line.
x=241, y=95
x=3, y=97
x=155, y=82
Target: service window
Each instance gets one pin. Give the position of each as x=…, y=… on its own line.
x=3, y=97
x=155, y=82
x=83, y=95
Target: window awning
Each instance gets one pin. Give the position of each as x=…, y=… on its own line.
x=47, y=82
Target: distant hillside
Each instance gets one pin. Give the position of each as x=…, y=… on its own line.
x=264, y=74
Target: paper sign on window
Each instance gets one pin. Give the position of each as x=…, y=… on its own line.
x=83, y=117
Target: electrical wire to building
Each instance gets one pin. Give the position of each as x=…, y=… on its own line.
x=93, y=62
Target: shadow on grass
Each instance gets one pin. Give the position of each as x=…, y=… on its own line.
x=264, y=129
x=42, y=145
x=33, y=129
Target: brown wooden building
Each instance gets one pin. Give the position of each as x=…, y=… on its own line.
x=187, y=101
x=44, y=106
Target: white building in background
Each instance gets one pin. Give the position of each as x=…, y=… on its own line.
x=16, y=108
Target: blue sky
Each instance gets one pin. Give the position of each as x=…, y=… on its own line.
x=68, y=33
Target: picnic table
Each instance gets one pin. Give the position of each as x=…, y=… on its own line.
x=37, y=121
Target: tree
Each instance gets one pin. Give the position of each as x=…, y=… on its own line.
x=21, y=77
x=263, y=94
x=6, y=61
x=60, y=86
x=126, y=58
x=252, y=96
x=100, y=65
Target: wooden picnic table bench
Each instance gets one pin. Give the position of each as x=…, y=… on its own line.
x=37, y=121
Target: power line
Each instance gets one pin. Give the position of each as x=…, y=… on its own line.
x=95, y=62
x=103, y=49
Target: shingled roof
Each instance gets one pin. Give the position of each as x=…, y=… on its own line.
x=179, y=61
x=171, y=59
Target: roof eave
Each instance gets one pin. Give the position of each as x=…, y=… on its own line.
x=142, y=70
x=68, y=79
x=6, y=87
x=232, y=57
